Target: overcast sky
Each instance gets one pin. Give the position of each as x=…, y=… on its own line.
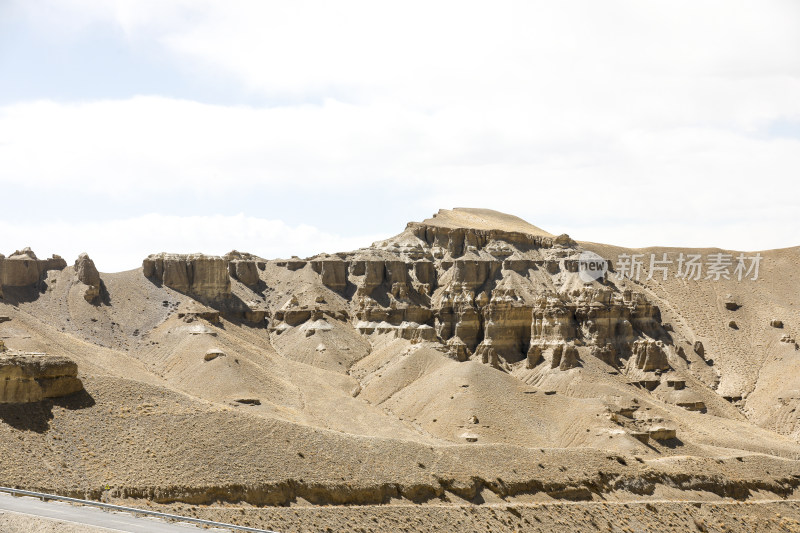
x=289, y=128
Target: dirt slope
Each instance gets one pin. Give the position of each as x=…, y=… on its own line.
x=464, y=362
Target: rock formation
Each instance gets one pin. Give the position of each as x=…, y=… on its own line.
x=649, y=355
x=244, y=267
x=24, y=269
x=662, y=433
x=204, y=276
x=455, y=331
x=26, y=378
x=88, y=275
x=499, y=296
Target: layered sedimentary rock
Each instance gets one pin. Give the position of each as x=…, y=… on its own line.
x=503, y=294
x=333, y=273
x=204, y=276
x=605, y=320
x=28, y=378
x=649, y=356
x=24, y=269
x=244, y=267
x=457, y=241
x=244, y=270
x=499, y=296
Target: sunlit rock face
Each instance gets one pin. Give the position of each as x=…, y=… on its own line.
x=26, y=378
x=205, y=276
x=24, y=269
x=500, y=296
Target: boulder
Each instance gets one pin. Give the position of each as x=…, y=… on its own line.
x=662, y=433
x=26, y=378
x=213, y=353
x=699, y=349
x=248, y=401
x=196, y=311
x=469, y=437
x=692, y=405
x=731, y=303
x=775, y=323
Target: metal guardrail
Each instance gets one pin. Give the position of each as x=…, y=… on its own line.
x=43, y=496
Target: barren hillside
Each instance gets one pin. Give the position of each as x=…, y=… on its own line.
x=468, y=361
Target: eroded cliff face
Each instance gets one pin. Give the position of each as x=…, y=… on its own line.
x=504, y=298
x=24, y=269
x=204, y=276
x=502, y=293
x=26, y=378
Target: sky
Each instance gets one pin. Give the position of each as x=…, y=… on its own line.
x=129, y=127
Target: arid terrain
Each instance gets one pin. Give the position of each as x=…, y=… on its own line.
x=464, y=375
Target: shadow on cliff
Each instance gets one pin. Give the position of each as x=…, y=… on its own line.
x=672, y=443
x=17, y=295
x=104, y=298
x=36, y=416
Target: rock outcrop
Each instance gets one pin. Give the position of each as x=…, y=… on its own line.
x=245, y=271
x=488, y=287
x=565, y=357
x=26, y=378
x=699, y=349
x=244, y=267
x=24, y=269
x=662, y=433
x=88, y=275
x=649, y=356
x=203, y=276
x=213, y=353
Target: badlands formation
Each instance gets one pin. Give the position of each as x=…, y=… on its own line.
x=461, y=376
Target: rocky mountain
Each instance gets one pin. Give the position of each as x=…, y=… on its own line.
x=470, y=358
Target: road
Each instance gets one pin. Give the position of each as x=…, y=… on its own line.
x=79, y=514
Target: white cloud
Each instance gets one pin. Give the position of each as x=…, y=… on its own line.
x=147, y=148
x=432, y=53
x=117, y=245
x=622, y=118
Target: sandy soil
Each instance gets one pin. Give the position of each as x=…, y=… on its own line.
x=293, y=421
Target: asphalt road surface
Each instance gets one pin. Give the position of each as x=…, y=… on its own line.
x=79, y=514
